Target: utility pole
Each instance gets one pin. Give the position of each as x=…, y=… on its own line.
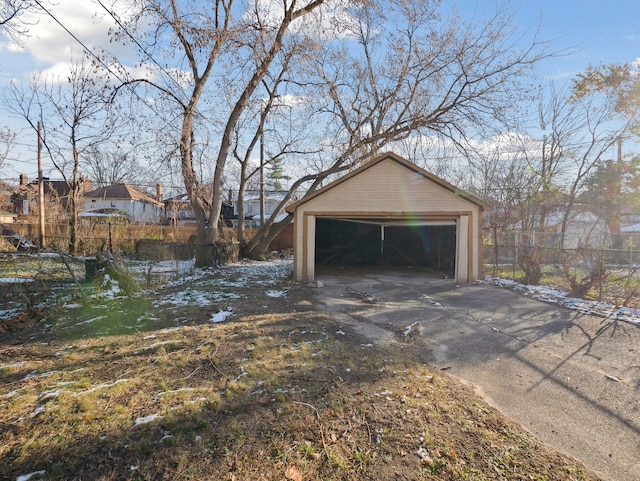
x=261, y=176
x=41, y=236
x=620, y=150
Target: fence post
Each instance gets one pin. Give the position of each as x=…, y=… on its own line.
x=630, y=258
x=600, y=270
x=515, y=254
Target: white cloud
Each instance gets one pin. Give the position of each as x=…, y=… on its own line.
x=50, y=44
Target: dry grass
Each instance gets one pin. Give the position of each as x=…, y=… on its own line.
x=278, y=392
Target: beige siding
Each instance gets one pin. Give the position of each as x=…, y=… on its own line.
x=389, y=189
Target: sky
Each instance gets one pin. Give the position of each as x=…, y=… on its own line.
x=589, y=32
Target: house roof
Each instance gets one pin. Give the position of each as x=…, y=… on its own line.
x=403, y=162
x=121, y=191
x=184, y=199
x=59, y=188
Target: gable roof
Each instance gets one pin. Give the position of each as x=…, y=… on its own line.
x=389, y=156
x=121, y=191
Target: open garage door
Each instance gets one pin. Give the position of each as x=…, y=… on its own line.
x=399, y=243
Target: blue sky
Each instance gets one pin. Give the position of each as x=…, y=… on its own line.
x=600, y=31
x=592, y=32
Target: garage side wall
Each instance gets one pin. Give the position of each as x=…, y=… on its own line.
x=387, y=189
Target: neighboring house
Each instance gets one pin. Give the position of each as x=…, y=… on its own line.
x=583, y=229
x=272, y=199
x=24, y=200
x=630, y=217
x=127, y=199
x=178, y=211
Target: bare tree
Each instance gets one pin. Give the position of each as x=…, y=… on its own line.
x=7, y=139
x=107, y=167
x=12, y=22
x=407, y=73
x=370, y=75
x=221, y=37
x=75, y=118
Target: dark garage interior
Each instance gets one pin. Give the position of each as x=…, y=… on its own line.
x=354, y=242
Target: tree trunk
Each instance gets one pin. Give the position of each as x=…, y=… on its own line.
x=258, y=247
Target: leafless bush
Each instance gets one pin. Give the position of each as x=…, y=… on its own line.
x=583, y=270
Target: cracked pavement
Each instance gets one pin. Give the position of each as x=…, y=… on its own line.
x=571, y=379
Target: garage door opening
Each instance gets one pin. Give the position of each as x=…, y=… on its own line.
x=374, y=243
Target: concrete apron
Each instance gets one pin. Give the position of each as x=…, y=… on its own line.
x=571, y=379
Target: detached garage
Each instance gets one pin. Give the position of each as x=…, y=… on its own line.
x=389, y=212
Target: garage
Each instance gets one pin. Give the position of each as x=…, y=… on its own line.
x=389, y=212
x=352, y=242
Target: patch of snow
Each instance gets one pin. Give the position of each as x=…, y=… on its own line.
x=341, y=332
x=274, y=293
x=160, y=395
x=48, y=395
x=221, y=316
x=192, y=297
x=63, y=350
x=14, y=280
x=10, y=394
x=554, y=296
x=73, y=305
x=27, y=477
x=37, y=411
x=104, y=386
x=11, y=366
x=31, y=375
x=242, y=374
x=151, y=347
x=9, y=313
x=146, y=420
x=407, y=331
x=89, y=321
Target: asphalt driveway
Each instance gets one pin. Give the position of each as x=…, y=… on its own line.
x=571, y=379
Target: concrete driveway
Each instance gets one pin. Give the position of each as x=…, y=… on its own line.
x=571, y=379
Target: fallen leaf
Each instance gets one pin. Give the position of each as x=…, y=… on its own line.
x=293, y=473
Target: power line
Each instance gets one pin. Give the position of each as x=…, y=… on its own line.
x=139, y=45
x=91, y=53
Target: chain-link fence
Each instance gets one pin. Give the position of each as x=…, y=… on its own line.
x=509, y=248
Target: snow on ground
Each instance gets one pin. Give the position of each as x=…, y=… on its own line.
x=7, y=314
x=27, y=477
x=211, y=287
x=553, y=296
x=274, y=293
x=146, y=420
x=221, y=316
